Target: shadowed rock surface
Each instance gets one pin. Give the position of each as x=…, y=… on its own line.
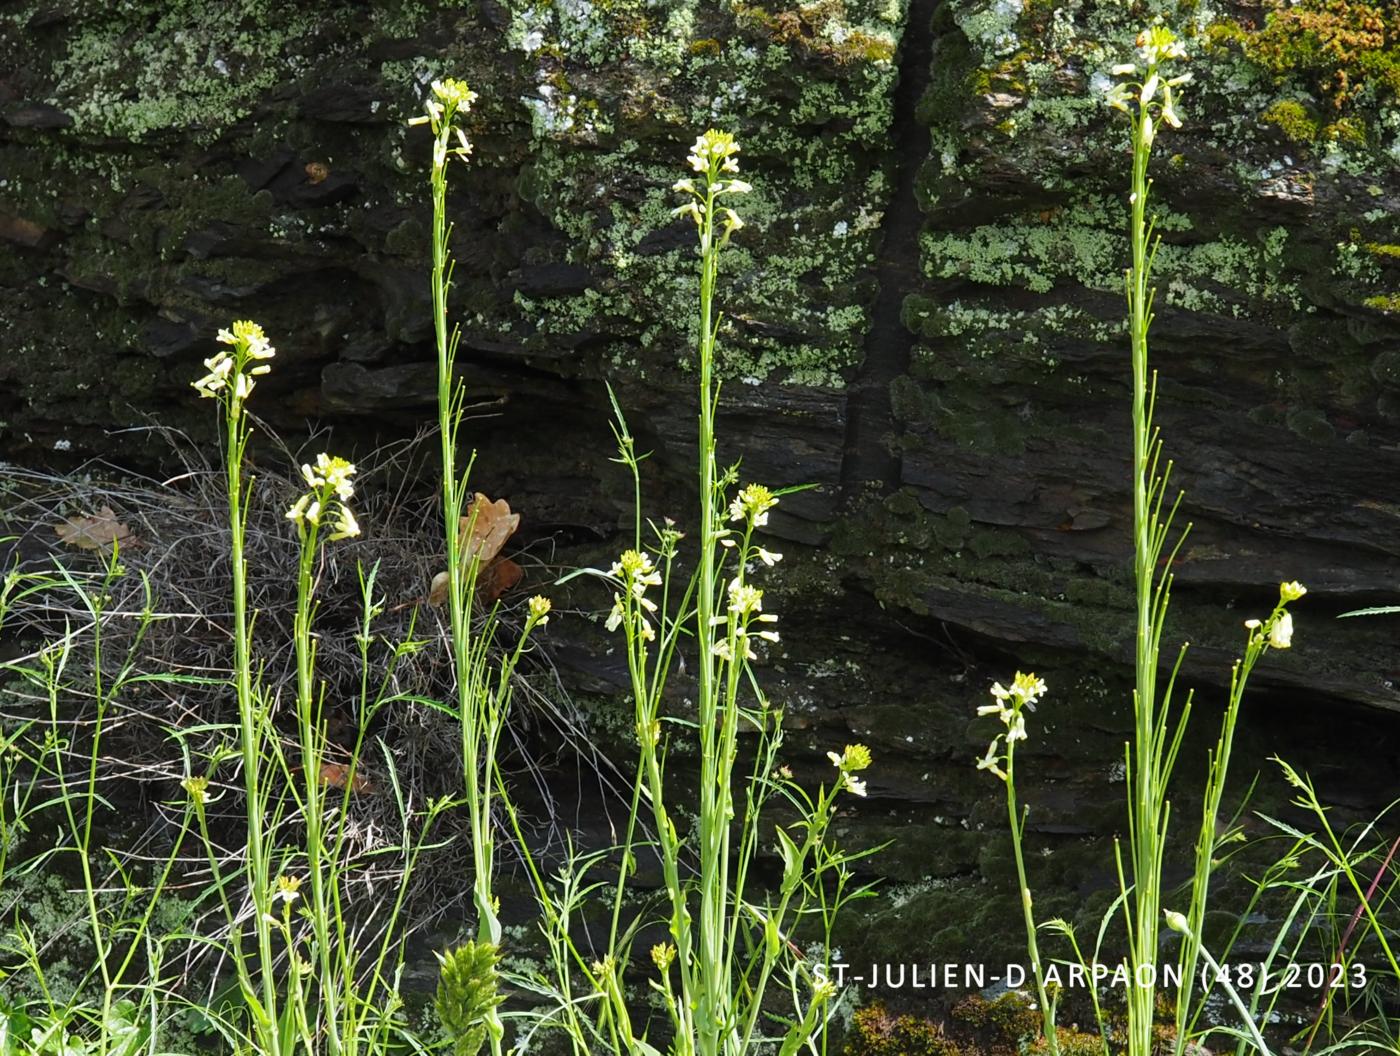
x=924, y=320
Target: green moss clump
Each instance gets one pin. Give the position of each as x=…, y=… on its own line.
x=1293, y=119
x=810, y=26
x=875, y=1031
x=1008, y=1016
x=1004, y=1026
x=1384, y=302
x=1343, y=50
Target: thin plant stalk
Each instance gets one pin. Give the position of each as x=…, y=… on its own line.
x=483, y=687
x=452, y=98
x=230, y=381
x=1158, y=730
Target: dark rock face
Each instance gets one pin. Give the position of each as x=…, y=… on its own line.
x=924, y=320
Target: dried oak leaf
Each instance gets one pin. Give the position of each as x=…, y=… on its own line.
x=337, y=775
x=498, y=578
x=485, y=529
x=481, y=534
x=95, y=531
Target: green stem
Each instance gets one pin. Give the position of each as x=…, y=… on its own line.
x=1147, y=808
x=1017, y=820
x=478, y=720
x=712, y=1019
x=321, y=870
x=251, y=725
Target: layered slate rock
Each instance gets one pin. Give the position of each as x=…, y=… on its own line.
x=923, y=319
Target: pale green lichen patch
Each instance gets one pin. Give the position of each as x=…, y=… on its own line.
x=1083, y=245
x=129, y=71
x=808, y=91
x=1024, y=192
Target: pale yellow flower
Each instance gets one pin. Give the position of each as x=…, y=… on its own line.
x=287, y=888
x=614, y=620
x=714, y=150
x=991, y=761
x=752, y=504
x=454, y=93
x=853, y=784
x=662, y=955
x=198, y=789
x=744, y=599
x=346, y=527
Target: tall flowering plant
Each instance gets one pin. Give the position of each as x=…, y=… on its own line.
x=730, y=976
x=231, y=378
x=468, y=998
x=311, y=979
x=1148, y=90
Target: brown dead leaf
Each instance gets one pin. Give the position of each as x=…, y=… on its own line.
x=95, y=531
x=482, y=532
x=336, y=775
x=317, y=171
x=485, y=529
x=498, y=578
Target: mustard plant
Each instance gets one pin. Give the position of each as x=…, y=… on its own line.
x=484, y=682
x=232, y=376
x=1010, y=706
x=1157, y=734
x=731, y=949
x=729, y=937
x=1150, y=102
x=311, y=979
x=1148, y=90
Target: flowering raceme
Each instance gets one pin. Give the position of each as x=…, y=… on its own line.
x=854, y=759
x=1154, y=94
x=752, y=505
x=1008, y=705
x=714, y=150
x=635, y=572
x=331, y=491
x=1277, y=631
x=232, y=373
x=713, y=156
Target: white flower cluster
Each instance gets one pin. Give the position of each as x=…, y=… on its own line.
x=1009, y=705
x=332, y=473
x=1277, y=630
x=331, y=488
x=714, y=152
x=854, y=759
x=233, y=372
x=713, y=155
x=1154, y=93
x=448, y=98
x=752, y=505
x=745, y=608
x=635, y=572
